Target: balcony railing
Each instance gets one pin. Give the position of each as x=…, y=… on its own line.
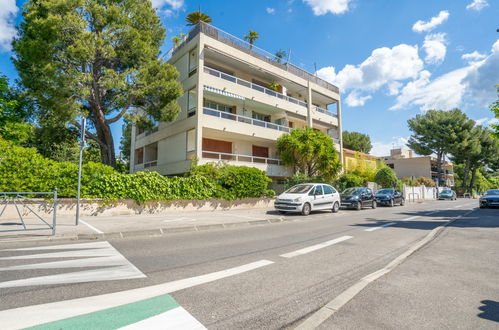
x=241, y=158
x=253, y=86
x=150, y=164
x=244, y=119
x=326, y=111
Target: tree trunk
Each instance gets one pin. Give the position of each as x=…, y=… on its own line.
x=106, y=144
x=465, y=173
x=472, y=181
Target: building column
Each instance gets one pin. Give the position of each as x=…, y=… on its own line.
x=340, y=131
x=200, y=103
x=132, y=148
x=310, y=121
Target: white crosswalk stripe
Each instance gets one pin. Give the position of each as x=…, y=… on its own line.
x=113, y=265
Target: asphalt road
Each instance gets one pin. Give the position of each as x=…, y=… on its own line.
x=301, y=265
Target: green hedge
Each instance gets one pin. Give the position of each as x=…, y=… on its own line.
x=23, y=169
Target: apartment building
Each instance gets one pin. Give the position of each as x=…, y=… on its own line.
x=238, y=100
x=405, y=164
x=353, y=159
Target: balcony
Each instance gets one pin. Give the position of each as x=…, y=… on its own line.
x=244, y=119
x=241, y=158
x=228, y=39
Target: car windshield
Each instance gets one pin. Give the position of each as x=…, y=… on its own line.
x=351, y=191
x=494, y=192
x=385, y=191
x=300, y=189
x=447, y=192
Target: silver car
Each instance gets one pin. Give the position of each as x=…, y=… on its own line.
x=308, y=197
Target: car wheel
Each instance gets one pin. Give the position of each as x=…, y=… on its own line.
x=482, y=206
x=376, y=204
x=402, y=202
x=336, y=207
x=359, y=206
x=391, y=202
x=306, y=209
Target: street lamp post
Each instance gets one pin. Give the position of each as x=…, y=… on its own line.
x=82, y=146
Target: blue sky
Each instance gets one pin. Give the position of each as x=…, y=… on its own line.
x=391, y=59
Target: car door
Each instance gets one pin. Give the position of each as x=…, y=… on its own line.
x=328, y=196
x=397, y=197
x=318, y=201
x=369, y=198
x=336, y=196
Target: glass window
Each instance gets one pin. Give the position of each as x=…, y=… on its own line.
x=259, y=116
x=191, y=140
x=299, y=189
x=193, y=59
x=328, y=190
x=218, y=106
x=192, y=99
x=318, y=190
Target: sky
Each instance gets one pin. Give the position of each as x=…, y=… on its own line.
x=391, y=59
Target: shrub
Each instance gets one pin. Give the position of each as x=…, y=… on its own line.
x=386, y=178
x=301, y=178
x=408, y=181
x=423, y=181
x=350, y=180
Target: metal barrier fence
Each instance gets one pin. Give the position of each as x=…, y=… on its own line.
x=25, y=205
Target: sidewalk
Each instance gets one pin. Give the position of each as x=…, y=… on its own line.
x=109, y=227
x=452, y=283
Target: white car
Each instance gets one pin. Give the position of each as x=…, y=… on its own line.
x=307, y=197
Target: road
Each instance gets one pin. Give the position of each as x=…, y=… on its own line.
x=269, y=276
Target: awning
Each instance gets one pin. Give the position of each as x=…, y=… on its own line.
x=221, y=92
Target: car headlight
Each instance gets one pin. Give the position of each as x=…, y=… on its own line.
x=297, y=199
x=352, y=198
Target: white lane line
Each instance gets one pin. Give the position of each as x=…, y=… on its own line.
x=45, y=313
x=315, y=247
x=177, y=318
x=91, y=227
x=382, y=226
x=411, y=218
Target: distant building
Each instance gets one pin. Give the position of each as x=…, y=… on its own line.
x=352, y=159
x=405, y=164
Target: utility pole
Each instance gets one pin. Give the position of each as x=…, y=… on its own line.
x=82, y=146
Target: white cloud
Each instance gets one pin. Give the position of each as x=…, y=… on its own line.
x=322, y=7
x=383, y=66
x=174, y=4
x=8, y=11
x=487, y=121
x=270, y=10
x=394, y=87
x=422, y=26
x=435, y=46
x=475, y=56
x=477, y=5
x=381, y=149
x=355, y=100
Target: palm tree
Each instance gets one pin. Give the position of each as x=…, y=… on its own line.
x=196, y=17
x=176, y=41
x=279, y=55
x=251, y=37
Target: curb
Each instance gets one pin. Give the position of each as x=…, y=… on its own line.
x=332, y=307
x=150, y=232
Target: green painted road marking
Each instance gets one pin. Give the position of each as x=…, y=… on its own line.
x=116, y=317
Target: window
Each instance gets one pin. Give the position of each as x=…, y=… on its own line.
x=219, y=106
x=192, y=99
x=328, y=190
x=193, y=60
x=191, y=140
x=139, y=156
x=259, y=116
x=318, y=190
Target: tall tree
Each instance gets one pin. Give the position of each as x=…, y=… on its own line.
x=437, y=131
x=14, y=117
x=251, y=37
x=197, y=16
x=495, y=108
x=357, y=141
x=488, y=155
x=309, y=152
x=463, y=151
x=97, y=59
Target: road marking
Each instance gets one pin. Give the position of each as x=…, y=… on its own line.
x=177, y=318
x=324, y=313
x=114, y=266
x=315, y=247
x=91, y=227
x=411, y=218
x=45, y=313
x=382, y=226
x=180, y=219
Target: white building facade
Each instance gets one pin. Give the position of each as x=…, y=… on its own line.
x=238, y=100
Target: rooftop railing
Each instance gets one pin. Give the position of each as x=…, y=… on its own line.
x=244, y=119
x=252, y=50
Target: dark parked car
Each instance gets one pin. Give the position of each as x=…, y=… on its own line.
x=448, y=194
x=490, y=199
x=358, y=198
x=389, y=197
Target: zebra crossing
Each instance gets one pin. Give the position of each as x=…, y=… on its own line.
x=106, y=263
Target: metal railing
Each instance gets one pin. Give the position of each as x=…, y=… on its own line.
x=240, y=158
x=150, y=164
x=25, y=206
x=244, y=119
x=326, y=111
x=253, y=86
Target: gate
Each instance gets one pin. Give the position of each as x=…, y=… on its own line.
x=30, y=208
